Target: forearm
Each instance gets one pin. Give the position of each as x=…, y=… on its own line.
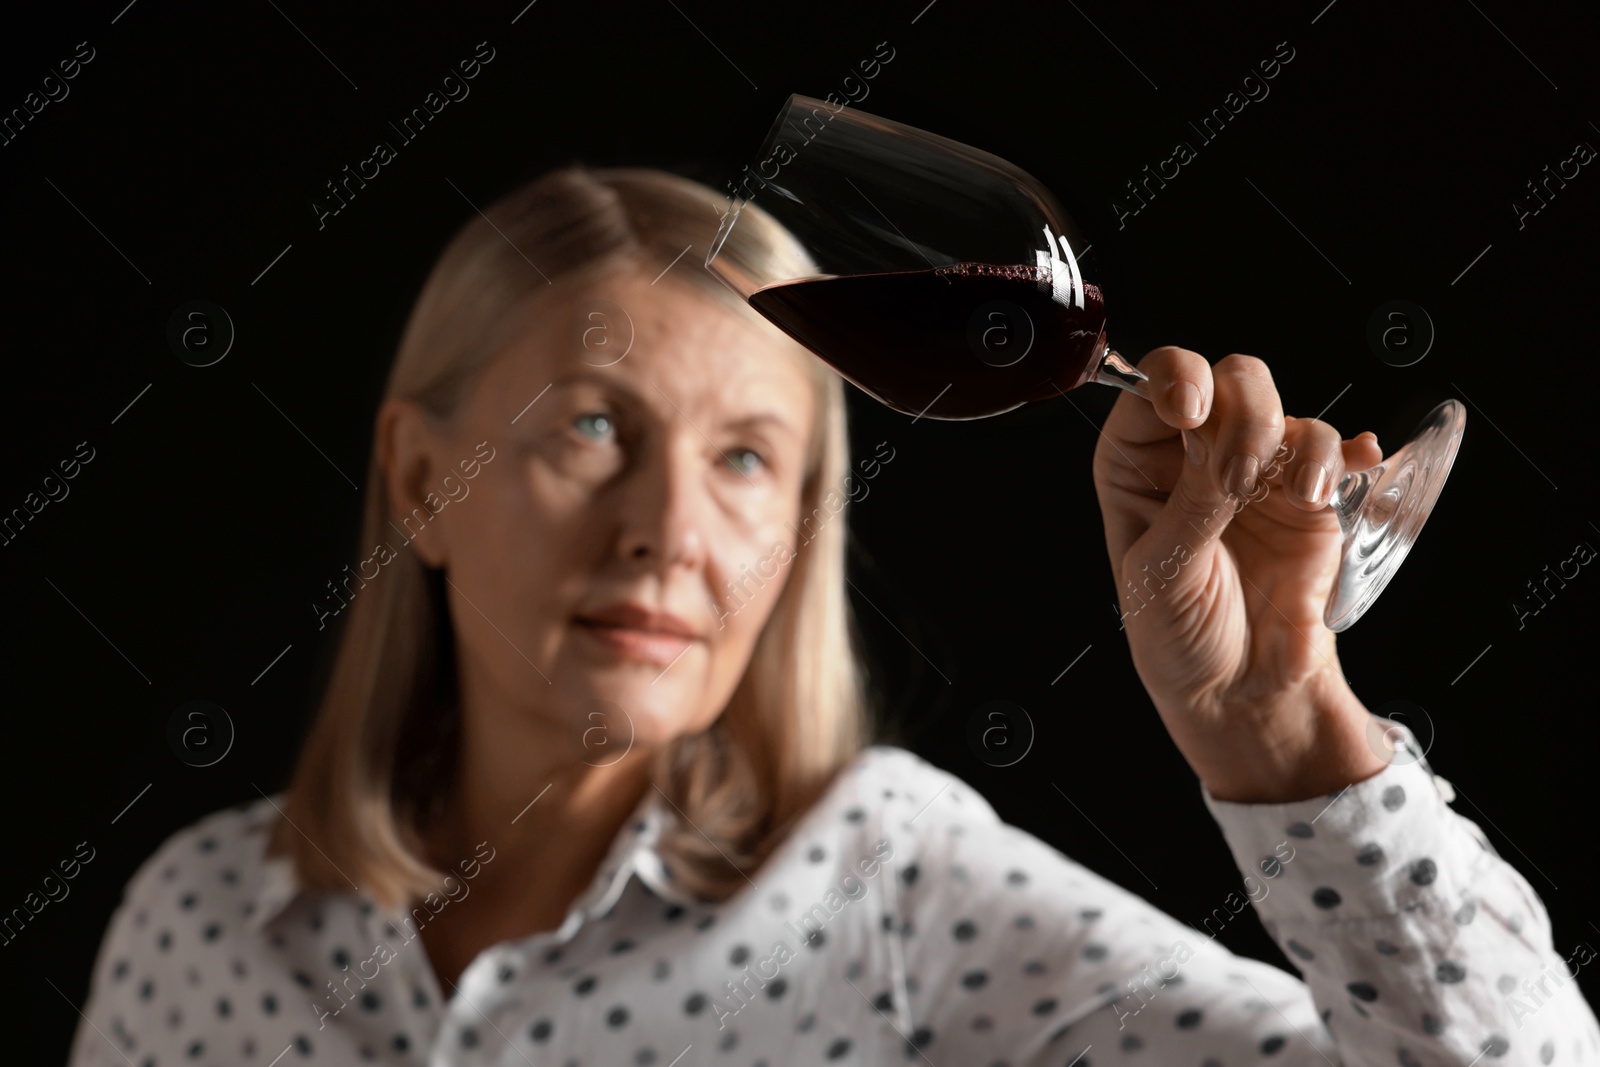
x=1311, y=742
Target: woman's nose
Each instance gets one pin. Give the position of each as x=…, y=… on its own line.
x=664, y=505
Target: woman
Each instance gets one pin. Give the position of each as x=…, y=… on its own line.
x=588, y=782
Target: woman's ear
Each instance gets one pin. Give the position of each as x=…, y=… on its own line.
x=407, y=444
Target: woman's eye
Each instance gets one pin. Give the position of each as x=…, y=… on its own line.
x=601, y=421
x=736, y=460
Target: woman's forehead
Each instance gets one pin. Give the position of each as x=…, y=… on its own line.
x=664, y=340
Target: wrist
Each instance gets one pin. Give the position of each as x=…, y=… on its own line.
x=1313, y=742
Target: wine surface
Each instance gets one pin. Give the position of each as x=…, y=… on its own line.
x=957, y=342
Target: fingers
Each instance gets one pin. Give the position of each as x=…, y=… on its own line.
x=1243, y=434
x=1315, y=464
x=1181, y=390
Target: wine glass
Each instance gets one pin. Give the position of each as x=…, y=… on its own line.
x=947, y=283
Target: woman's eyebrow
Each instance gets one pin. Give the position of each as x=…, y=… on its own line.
x=764, y=418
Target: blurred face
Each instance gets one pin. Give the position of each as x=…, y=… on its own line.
x=589, y=563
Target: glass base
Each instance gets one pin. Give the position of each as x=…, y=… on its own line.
x=1381, y=511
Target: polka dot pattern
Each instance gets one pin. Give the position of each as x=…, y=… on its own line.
x=901, y=922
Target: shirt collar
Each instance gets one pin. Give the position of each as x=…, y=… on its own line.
x=633, y=853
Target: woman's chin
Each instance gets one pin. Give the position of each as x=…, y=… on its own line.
x=619, y=716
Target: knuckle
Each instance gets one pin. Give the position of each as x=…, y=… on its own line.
x=1244, y=366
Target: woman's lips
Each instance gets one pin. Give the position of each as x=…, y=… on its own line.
x=647, y=646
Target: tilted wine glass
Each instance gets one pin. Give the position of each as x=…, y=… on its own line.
x=948, y=283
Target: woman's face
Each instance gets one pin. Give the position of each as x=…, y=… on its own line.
x=651, y=480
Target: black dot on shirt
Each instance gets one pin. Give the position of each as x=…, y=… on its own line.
x=910, y=873
x=776, y=988
x=400, y=1042
x=816, y=939
x=674, y=913
x=419, y=998
x=1132, y=1043
x=1300, y=950
x=662, y=969
x=1407, y=1059
x=1387, y=948
x=837, y=1050
x=1423, y=872
x=188, y=901
x=340, y=958
x=975, y=979
x=540, y=1031
x=1495, y=1046
x=694, y=1003
x=506, y=974
x=370, y=1001
x=645, y=1056
x=302, y=1044
x=468, y=1038
x=855, y=815
x=197, y=1049
x=965, y=930
x=1547, y=1052
x=1271, y=867
x=208, y=844
x=1394, y=798
x=1016, y=878
x=147, y=990
x=269, y=1004
x=224, y=1008
x=1325, y=897
x=1272, y=1045
x=982, y=1023
x=706, y=921
x=212, y=931
x=617, y=1017
x=1449, y=972
x=816, y=854
x=1045, y=1006
x=1466, y=913
x=1300, y=829
x=1432, y=1024
x=1363, y=991
x=729, y=1040
x=1370, y=855
x=920, y=1039
x=1033, y=967
x=807, y=1022
x=1189, y=1018
x=584, y=986
x=1023, y=922
x=1094, y=952
x=164, y=940
x=884, y=1001
x=739, y=954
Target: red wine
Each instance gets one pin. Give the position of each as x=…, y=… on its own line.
x=957, y=342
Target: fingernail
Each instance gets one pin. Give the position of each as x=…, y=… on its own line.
x=1311, y=481
x=1240, y=477
x=1185, y=398
x=1194, y=445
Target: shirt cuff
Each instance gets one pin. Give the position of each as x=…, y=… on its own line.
x=1370, y=849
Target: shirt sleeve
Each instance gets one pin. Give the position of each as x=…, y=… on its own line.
x=124, y=981
x=1407, y=927
x=1418, y=942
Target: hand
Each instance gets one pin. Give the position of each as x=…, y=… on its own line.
x=1223, y=568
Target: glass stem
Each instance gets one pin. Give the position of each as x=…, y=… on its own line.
x=1112, y=369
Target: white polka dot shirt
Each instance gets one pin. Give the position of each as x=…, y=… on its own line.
x=901, y=922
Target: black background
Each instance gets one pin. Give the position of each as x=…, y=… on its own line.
x=185, y=556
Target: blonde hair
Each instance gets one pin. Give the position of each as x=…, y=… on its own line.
x=383, y=743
